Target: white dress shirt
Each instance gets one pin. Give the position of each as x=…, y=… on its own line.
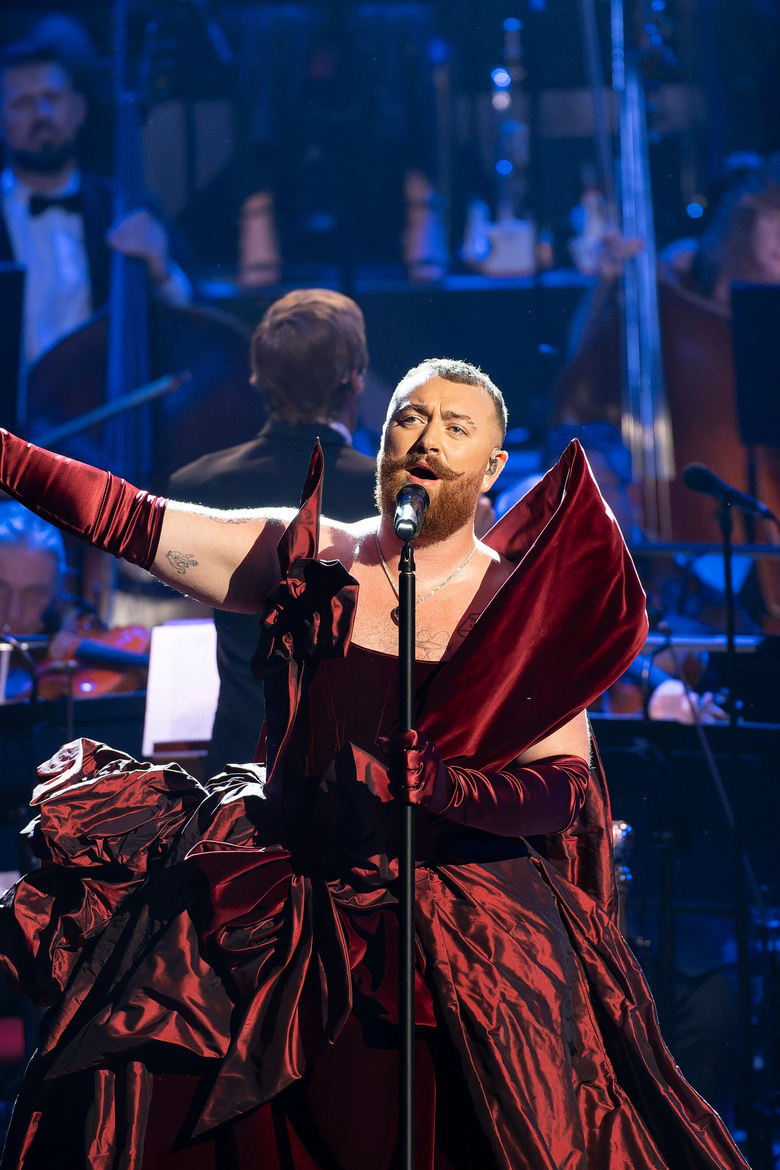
x=57, y=293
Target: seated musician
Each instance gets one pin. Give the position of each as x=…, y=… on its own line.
x=55, y=217
x=63, y=648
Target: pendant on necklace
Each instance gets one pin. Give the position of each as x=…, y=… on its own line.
x=394, y=615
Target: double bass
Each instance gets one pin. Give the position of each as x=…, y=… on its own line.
x=661, y=367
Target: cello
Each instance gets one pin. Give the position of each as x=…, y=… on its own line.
x=663, y=370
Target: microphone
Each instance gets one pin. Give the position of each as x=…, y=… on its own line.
x=700, y=479
x=411, y=504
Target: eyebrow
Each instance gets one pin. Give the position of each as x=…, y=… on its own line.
x=423, y=409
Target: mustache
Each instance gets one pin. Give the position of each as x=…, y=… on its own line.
x=439, y=469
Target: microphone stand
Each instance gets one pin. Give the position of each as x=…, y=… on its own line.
x=758, y=1142
x=745, y=882
x=743, y=872
x=406, y=964
x=725, y=521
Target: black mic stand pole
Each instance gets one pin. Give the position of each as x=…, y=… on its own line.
x=406, y=964
x=726, y=526
x=756, y=1135
x=759, y=1144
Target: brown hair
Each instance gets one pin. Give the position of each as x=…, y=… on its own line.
x=304, y=350
x=55, y=40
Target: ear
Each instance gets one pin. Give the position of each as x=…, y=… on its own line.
x=495, y=466
x=357, y=383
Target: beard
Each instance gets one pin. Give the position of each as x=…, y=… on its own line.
x=453, y=506
x=45, y=161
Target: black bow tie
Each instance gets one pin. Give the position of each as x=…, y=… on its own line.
x=40, y=203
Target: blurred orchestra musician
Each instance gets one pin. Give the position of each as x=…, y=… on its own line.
x=32, y=568
x=55, y=218
x=54, y=641
x=694, y=291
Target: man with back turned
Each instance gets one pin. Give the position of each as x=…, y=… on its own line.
x=309, y=354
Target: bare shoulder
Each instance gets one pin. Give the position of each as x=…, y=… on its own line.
x=500, y=567
x=345, y=542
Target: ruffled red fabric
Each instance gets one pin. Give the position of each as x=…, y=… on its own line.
x=541, y=1011
x=309, y=615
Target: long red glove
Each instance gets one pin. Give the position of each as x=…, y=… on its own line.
x=94, y=505
x=523, y=800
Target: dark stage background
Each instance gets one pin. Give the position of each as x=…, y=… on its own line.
x=330, y=106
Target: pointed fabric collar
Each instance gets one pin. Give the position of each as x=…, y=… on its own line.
x=561, y=629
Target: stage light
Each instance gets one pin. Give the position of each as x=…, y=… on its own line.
x=501, y=78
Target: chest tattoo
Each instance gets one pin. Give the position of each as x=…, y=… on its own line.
x=467, y=625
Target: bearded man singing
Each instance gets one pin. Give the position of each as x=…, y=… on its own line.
x=219, y=963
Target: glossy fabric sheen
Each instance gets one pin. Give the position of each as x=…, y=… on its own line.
x=518, y=801
x=84, y=501
x=219, y=960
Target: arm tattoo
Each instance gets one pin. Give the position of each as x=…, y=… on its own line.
x=179, y=561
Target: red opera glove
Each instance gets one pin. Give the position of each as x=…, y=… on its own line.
x=523, y=800
x=94, y=505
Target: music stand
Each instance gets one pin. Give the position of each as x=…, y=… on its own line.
x=756, y=340
x=181, y=692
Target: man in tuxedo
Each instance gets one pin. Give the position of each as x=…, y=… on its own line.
x=55, y=219
x=309, y=354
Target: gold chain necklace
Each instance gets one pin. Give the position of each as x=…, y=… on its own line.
x=436, y=588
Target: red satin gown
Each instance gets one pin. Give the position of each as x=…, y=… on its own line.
x=220, y=963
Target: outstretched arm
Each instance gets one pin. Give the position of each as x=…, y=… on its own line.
x=226, y=559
